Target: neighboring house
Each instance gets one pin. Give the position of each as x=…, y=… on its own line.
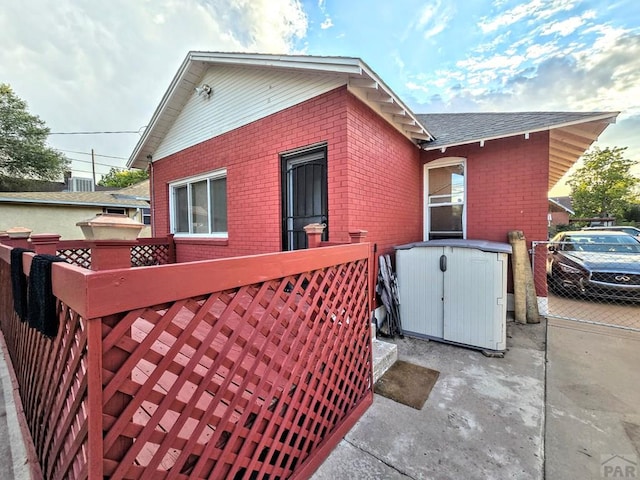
x=246, y=149
x=559, y=211
x=58, y=212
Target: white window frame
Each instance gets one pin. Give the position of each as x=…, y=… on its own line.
x=214, y=175
x=443, y=162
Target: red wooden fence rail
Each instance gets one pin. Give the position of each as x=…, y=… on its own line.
x=144, y=251
x=249, y=367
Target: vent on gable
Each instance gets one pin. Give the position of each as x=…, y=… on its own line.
x=79, y=184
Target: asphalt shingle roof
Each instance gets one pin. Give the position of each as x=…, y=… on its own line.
x=135, y=196
x=462, y=128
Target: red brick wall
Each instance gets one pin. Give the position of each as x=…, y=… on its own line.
x=385, y=180
x=559, y=218
x=507, y=184
x=251, y=155
x=375, y=179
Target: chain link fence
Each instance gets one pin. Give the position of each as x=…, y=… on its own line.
x=589, y=278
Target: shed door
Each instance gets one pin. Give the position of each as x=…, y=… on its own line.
x=304, y=196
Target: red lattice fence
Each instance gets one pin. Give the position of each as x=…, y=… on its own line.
x=240, y=368
x=145, y=252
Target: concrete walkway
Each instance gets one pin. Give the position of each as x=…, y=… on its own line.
x=593, y=401
x=484, y=419
x=17, y=459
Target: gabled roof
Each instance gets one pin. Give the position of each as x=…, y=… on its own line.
x=359, y=78
x=571, y=133
x=562, y=204
x=135, y=196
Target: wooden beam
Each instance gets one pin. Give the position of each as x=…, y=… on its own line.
x=403, y=119
x=569, y=138
x=562, y=155
x=566, y=148
x=380, y=97
x=393, y=109
x=413, y=128
x=363, y=83
x=581, y=132
x=557, y=170
x=419, y=136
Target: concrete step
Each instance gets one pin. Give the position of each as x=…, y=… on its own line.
x=385, y=354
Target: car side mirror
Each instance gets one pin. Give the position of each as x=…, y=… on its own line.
x=553, y=248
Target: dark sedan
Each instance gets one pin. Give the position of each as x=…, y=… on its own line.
x=595, y=263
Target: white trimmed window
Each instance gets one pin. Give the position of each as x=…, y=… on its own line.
x=199, y=205
x=445, y=199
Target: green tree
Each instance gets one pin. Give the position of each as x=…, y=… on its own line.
x=23, y=136
x=122, y=178
x=603, y=185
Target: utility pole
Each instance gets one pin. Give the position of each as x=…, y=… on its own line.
x=93, y=168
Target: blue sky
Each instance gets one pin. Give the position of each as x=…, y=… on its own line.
x=104, y=66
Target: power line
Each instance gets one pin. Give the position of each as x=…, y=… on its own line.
x=89, y=153
x=97, y=163
x=94, y=133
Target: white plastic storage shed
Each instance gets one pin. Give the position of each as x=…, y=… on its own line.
x=454, y=290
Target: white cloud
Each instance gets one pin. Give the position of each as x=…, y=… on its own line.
x=535, y=9
x=105, y=65
x=509, y=17
x=433, y=18
x=328, y=23
x=568, y=26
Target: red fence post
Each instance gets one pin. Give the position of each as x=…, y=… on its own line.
x=17, y=237
x=107, y=255
x=111, y=254
x=172, y=249
x=314, y=234
x=357, y=236
x=45, y=243
x=95, y=454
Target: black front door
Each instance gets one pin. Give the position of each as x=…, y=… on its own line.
x=304, y=195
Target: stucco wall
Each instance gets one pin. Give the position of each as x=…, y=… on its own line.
x=51, y=219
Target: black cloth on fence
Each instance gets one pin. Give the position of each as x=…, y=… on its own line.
x=42, y=304
x=19, y=283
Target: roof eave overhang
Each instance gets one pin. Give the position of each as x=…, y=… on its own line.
x=359, y=78
x=568, y=141
x=608, y=117
x=562, y=207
